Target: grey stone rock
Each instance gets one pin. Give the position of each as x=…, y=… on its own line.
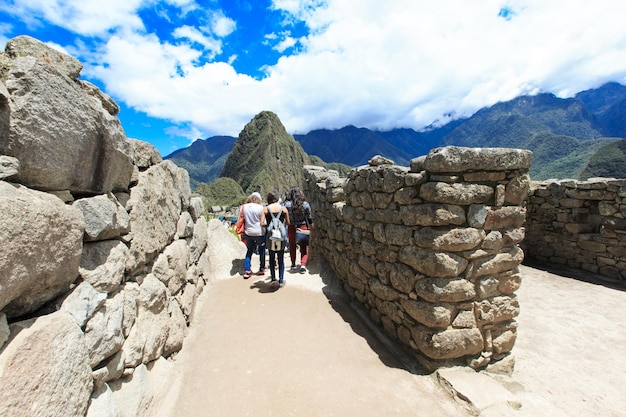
x=171, y=266
x=436, y=316
x=443, y=289
x=141, y=394
x=199, y=240
x=83, y=302
x=462, y=194
x=63, y=137
x=177, y=330
x=448, y=344
x=105, y=217
x=102, y=264
x=5, y=332
x=102, y=403
x=196, y=208
x=147, y=336
x=432, y=263
x=9, y=166
x=449, y=239
x=432, y=215
x=379, y=160
x=103, y=332
x=31, y=271
x=143, y=154
x=497, y=310
x=156, y=203
x=105, y=100
x=29, y=46
x=459, y=159
x=45, y=370
x=185, y=225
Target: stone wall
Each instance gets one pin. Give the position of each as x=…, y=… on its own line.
x=103, y=251
x=579, y=224
x=431, y=251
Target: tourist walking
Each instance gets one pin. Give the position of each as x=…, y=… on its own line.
x=300, y=227
x=275, y=218
x=254, y=233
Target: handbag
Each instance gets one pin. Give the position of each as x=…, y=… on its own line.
x=240, y=227
x=302, y=236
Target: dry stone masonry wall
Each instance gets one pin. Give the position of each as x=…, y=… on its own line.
x=103, y=251
x=579, y=224
x=431, y=251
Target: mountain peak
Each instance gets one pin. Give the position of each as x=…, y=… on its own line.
x=265, y=157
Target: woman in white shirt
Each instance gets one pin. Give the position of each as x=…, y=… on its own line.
x=254, y=234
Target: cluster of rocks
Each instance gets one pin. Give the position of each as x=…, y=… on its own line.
x=432, y=251
x=103, y=250
x=579, y=224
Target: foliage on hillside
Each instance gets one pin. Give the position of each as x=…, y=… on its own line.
x=221, y=192
x=265, y=157
x=609, y=161
x=204, y=159
x=560, y=157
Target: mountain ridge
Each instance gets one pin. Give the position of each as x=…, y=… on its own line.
x=563, y=133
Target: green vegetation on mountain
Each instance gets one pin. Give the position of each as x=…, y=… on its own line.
x=221, y=192
x=265, y=157
x=560, y=157
x=609, y=161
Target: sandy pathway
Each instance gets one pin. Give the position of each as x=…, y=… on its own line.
x=301, y=351
x=256, y=351
x=570, y=346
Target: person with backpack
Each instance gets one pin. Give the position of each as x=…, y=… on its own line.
x=253, y=235
x=300, y=227
x=275, y=218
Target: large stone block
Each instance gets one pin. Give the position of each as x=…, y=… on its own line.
x=459, y=159
x=432, y=263
x=62, y=135
x=156, y=203
x=448, y=344
x=41, y=241
x=44, y=370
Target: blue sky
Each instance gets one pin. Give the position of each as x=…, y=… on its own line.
x=188, y=69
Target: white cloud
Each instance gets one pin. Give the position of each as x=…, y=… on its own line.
x=383, y=64
x=222, y=26
x=194, y=35
x=85, y=17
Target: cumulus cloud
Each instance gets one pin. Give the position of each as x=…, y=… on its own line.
x=381, y=65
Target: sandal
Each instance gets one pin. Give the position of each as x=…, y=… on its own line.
x=247, y=274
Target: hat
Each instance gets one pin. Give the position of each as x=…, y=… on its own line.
x=255, y=194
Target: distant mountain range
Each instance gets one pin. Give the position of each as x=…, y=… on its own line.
x=575, y=137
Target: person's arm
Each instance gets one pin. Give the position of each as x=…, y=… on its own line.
x=263, y=214
x=287, y=221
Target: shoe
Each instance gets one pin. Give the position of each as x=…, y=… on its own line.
x=302, y=269
x=293, y=267
x=261, y=271
x=281, y=283
x=247, y=274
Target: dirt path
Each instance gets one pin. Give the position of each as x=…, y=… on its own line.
x=570, y=346
x=302, y=351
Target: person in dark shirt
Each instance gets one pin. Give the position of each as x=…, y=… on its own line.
x=300, y=227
